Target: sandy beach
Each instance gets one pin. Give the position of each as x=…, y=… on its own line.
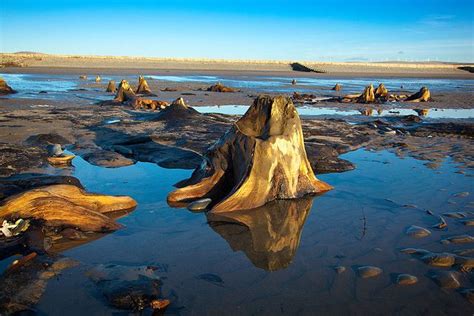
x=388, y=162
x=60, y=64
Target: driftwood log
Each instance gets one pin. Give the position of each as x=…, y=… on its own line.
x=423, y=95
x=261, y=158
x=5, y=88
x=65, y=205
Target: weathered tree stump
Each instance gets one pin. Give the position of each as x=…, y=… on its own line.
x=5, y=88
x=423, y=95
x=381, y=91
x=422, y=112
x=143, y=87
x=124, y=92
x=219, y=87
x=65, y=205
x=261, y=158
x=111, y=87
x=368, y=96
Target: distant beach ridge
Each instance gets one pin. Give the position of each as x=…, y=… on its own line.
x=40, y=60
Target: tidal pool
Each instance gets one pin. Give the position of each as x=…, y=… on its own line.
x=317, y=111
x=321, y=85
x=281, y=260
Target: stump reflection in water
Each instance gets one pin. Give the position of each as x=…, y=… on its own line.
x=268, y=235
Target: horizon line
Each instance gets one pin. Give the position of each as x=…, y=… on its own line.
x=229, y=60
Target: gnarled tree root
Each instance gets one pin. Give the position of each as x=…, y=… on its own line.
x=67, y=206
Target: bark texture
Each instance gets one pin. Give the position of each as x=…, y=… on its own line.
x=261, y=158
x=423, y=95
x=269, y=235
x=111, y=87
x=5, y=88
x=143, y=87
x=65, y=205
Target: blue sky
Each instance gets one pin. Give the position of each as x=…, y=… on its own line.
x=284, y=30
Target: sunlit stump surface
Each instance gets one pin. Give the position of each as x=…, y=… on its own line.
x=423, y=95
x=5, y=88
x=143, y=87
x=65, y=205
x=269, y=235
x=259, y=159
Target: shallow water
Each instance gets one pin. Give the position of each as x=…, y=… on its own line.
x=283, y=264
x=30, y=84
x=316, y=111
x=321, y=85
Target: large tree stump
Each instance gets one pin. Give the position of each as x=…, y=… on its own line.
x=259, y=159
x=423, y=95
x=269, y=235
x=124, y=92
x=65, y=205
x=143, y=87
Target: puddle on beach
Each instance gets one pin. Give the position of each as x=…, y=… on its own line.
x=316, y=111
x=72, y=89
x=283, y=263
x=31, y=84
x=282, y=84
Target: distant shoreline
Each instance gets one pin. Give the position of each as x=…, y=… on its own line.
x=44, y=63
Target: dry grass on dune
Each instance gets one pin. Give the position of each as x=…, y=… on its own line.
x=32, y=59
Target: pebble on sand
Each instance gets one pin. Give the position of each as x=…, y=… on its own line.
x=469, y=295
x=441, y=224
x=467, y=222
x=446, y=279
x=417, y=232
x=414, y=251
x=439, y=259
x=199, y=205
x=340, y=269
x=366, y=272
x=406, y=279
x=459, y=239
x=455, y=214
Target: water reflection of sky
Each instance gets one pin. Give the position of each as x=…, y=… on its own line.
x=283, y=84
x=316, y=111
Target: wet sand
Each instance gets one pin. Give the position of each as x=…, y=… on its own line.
x=245, y=270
